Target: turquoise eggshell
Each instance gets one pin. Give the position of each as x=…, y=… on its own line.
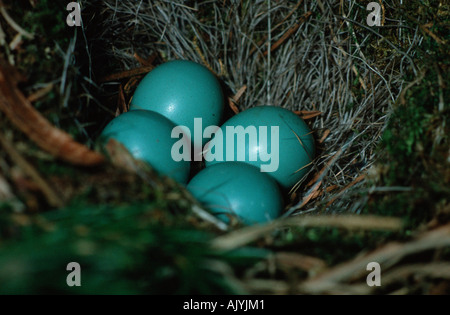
x=295, y=141
x=238, y=189
x=147, y=136
x=181, y=91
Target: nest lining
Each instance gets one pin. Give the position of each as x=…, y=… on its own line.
x=304, y=56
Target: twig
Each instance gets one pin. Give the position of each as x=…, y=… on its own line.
x=121, y=104
x=126, y=74
x=40, y=93
x=439, y=270
x=434, y=36
x=298, y=261
x=235, y=99
x=306, y=114
x=145, y=62
x=385, y=256
x=325, y=135
x=51, y=196
x=13, y=24
x=247, y=235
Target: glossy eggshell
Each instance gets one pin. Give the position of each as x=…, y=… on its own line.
x=238, y=189
x=181, y=91
x=147, y=136
x=296, y=143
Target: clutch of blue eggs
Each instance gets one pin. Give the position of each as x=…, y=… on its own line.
x=251, y=160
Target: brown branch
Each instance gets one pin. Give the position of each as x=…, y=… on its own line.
x=25, y=117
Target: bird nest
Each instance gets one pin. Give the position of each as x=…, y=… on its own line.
x=321, y=60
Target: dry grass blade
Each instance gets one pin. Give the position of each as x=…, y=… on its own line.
x=317, y=179
x=289, y=15
x=305, y=114
x=121, y=104
x=337, y=195
x=325, y=135
x=127, y=74
x=145, y=62
x=288, y=34
x=233, y=106
x=426, y=29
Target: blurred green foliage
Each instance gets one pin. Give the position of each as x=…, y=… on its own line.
x=121, y=250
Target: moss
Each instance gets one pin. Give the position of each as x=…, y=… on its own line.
x=412, y=150
x=47, y=21
x=48, y=18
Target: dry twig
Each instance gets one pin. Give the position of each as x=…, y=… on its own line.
x=386, y=256
x=50, y=194
x=249, y=234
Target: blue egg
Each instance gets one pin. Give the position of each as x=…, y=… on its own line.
x=181, y=90
x=237, y=189
x=271, y=138
x=147, y=136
